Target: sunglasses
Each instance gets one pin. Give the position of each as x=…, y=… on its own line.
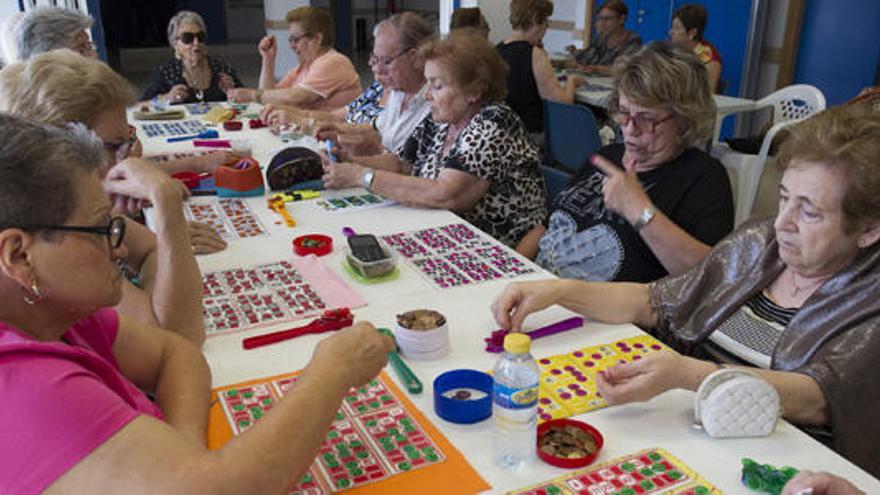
x=188, y=38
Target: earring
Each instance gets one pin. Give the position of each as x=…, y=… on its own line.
x=34, y=294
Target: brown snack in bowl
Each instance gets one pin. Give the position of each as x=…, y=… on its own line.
x=568, y=443
x=421, y=319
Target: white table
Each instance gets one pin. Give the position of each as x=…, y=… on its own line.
x=665, y=421
x=599, y=87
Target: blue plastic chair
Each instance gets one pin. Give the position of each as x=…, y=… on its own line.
x=555, y=180
x=570, y=135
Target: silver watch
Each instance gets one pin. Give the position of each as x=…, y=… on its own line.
x=367, y=178
x=646, y=217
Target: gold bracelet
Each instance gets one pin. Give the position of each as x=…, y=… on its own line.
x=258, y=96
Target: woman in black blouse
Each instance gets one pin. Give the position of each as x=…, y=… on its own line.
x=192, y=75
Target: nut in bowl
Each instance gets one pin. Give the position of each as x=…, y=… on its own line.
x=568, y=443
x=422, y=334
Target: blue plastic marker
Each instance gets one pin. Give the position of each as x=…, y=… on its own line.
x=206, y=134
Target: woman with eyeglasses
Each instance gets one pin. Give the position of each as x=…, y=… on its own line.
x=76, y=417
x=654, y=204
x=794, y=299
x=612, y=40
x=59, y=87
x=386, y=113
x=324, y=79
x=192, y=75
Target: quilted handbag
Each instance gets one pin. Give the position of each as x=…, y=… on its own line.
x=736, y=403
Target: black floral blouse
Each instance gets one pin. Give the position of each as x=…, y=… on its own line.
x=170, y=74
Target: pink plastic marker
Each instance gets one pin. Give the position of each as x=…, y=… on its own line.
x=495, y=342
x=212, y=143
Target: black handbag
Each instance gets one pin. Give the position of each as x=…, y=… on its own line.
x=292, y=167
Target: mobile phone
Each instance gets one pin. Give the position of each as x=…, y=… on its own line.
x=366, y=248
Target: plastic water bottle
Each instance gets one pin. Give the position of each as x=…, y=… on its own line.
x=515, y=403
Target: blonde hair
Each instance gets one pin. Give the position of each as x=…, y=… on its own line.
x=62, y=86
x=846, y=139
x=313, y=21
x=664, y=76
x=527, y=13
x=472, y=63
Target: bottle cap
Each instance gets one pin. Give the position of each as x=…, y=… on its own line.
x=517, y=343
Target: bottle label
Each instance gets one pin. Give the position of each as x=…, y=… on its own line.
x=515, y=398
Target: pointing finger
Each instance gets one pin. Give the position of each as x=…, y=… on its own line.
x=605, y=166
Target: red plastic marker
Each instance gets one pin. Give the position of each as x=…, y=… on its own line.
x=332, y=319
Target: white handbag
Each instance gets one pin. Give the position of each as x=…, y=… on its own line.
x=736, y=403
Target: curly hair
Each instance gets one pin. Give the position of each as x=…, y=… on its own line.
x=313, y=21
x=472, y=63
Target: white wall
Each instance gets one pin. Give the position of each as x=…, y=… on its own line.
x=497, y=13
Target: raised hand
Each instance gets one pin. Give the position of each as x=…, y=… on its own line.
x=622, y=191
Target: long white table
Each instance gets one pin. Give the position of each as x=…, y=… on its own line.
x=666, y=421
x=597, y=89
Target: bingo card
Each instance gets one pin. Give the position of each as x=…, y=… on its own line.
x=230, y=217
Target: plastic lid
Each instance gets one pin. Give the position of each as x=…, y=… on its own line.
x=517, y=343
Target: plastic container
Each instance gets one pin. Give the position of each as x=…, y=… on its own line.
x=463, y=396
x=316, y=244
x=372, y=269
x=515, y=403
x=565, y=462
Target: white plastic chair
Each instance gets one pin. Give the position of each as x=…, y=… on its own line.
x=790, y=105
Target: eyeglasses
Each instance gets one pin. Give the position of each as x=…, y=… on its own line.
x=188, y=38
x=385, y=62
x=114, y=231
x=606, y=18
x=87, y=48
x=293, y=40
x=122, y=149
x=643, y=122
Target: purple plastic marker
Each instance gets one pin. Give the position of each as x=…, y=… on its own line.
x=495, y=343
x=347, y=231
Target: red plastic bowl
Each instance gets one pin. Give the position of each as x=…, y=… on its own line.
x=565, y=462
x=190, y=179
x=324, y=245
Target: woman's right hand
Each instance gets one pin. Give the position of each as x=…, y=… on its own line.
x=178, y=92
x=521, y=299
x=353, y=356
x=268, y=48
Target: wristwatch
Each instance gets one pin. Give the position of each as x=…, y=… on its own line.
x=258, y=96
x=367, y=178
x=645, y=218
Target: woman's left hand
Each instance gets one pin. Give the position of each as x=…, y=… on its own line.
x=204, y=239
x=641, y=380
x=623, y=193
x=209, y=162
x=225, y=82
x=341, y=175
x=240, y=95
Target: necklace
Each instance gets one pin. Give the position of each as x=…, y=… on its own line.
x=809, y=286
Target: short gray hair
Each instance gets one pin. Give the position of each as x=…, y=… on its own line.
x=412, y=29
x=39, y=167
x=181, y=17
x=48, y=28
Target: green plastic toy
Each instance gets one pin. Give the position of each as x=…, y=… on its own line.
x=765, y=478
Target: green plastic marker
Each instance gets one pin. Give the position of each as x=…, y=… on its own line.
x=406, y=375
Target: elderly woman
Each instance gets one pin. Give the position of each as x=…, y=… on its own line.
x=797, y=300
x=470, y=17
x=192, y=75
x=396, y=63
x=531, y=79
x=324, y=79
x=60, y=87
x=74, y=371
x=612, y=40
x=654, y=204
x=688, y=25
x=50, y=28
x=470, y=156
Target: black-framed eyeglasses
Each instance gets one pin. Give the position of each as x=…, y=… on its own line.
x=643, y=122
x=188, y=38
x=122, y=149
x=114, y=230
x=293, y=40
x=385, y=62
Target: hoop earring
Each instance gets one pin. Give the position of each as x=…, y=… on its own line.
x=32, y=295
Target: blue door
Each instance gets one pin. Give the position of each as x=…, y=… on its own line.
x=649, y=18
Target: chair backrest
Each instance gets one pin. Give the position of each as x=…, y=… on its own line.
x=570, y=135
x=555, y=180
x=794, y=102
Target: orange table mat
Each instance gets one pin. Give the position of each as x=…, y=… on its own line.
x=453, y=475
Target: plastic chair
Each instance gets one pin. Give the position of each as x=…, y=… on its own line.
x=570, y=135
x=555, y=180
x=790, y=105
